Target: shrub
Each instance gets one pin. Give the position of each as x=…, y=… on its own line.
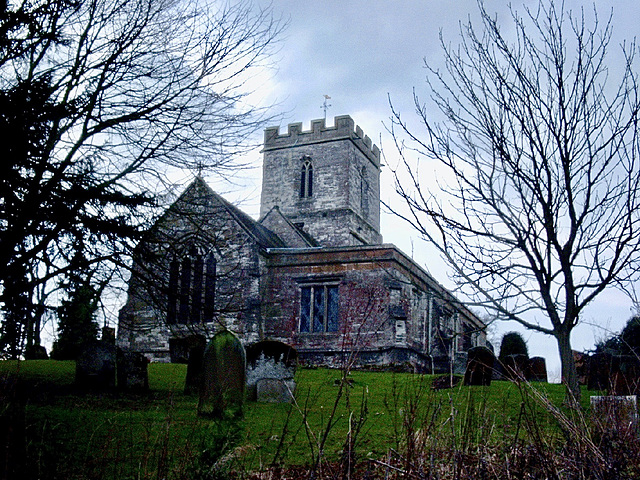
x=513, y=344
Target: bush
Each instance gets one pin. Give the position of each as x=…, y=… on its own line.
x=513, y=344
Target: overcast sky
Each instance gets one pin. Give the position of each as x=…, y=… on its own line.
x=360, y=53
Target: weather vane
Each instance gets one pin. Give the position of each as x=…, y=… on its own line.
x=325, y=106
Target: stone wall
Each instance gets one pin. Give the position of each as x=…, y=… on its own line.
x=207, y=224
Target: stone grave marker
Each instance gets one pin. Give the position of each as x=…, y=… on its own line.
x=537, y=370
x=515, y=367
x=275, y=363
x=223, y=377
x=96, y=366
x=479, y=366
x=132, y=371
x=196, y=345
x=275, y=390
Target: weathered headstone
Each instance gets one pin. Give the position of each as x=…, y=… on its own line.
x=271, y=360
x=108, y=335
x=515, y=366
x=96, y=366
x=274, y=390
x=196, y=348
x=479, y=366
x=599, y=368
x=625, y=375
x=223, y=377
x=537, y=369
x=459, y=364
x=132, y=371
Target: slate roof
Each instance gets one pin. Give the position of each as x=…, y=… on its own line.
x=264, y=237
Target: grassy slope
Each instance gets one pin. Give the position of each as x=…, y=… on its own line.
x=120, y=436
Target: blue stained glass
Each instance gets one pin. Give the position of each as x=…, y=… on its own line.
x=305, y=308
x=332, y=309
x=318, y=310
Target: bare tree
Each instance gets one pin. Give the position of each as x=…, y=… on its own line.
x=540, y=212
x=100, y=98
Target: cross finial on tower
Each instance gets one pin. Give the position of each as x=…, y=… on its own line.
x=325, y=106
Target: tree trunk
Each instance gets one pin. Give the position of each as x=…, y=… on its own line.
x=569, y=372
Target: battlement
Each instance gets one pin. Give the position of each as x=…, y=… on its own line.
x=343, y=129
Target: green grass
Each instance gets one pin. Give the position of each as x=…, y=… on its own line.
x=70, y=434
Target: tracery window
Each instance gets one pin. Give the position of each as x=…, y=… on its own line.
x=192, y=287
x=306, y=178
x=318, y=308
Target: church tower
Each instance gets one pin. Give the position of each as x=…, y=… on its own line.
x=326, y=181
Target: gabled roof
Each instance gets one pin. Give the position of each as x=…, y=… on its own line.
x=304, y=237
x=200, y=193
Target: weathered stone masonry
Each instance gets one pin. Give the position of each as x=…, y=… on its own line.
x=312, y=272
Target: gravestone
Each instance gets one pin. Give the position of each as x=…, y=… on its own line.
x=479, y=366
x=223, y=377
x=108, y=335
x=515, y=366
x=195, y=346
x=599, y=367
x=459, y=364
x=132, y=371
x=274, y=390
x=271, y=360
x=537, y=371
x=615, y=416
x=96, y=366
x=625, y=375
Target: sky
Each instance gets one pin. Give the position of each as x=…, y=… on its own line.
x=364, y=53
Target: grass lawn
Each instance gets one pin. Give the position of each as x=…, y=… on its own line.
x=71, y=434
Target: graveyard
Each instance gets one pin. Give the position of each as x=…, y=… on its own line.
x=364, y=423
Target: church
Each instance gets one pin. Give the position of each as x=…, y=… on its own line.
x=312, y=271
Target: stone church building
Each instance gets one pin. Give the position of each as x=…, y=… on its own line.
x=311, y=272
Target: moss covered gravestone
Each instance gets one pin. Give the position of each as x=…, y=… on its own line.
x=223, y=377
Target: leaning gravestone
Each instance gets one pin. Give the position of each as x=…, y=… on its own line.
x=537, y=369
x=479, y=366
x=96, y=366
x=132, y=370
x=271, y=367
x=223, y=377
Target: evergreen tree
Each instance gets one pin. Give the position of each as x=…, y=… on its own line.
x=513, y=344
x=76, y=321
x=627, y=342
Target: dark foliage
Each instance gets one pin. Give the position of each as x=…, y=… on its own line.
x=76, y=322
x=627, y=342
x=513, y=344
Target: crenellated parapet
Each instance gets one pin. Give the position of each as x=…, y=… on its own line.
x=344, y=128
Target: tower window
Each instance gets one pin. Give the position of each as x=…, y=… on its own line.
x=306, y=178
x=364, y=192
x=319, y=308
x=191, y=295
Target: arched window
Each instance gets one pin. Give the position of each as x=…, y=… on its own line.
x=192, y=283
x=306, y=178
